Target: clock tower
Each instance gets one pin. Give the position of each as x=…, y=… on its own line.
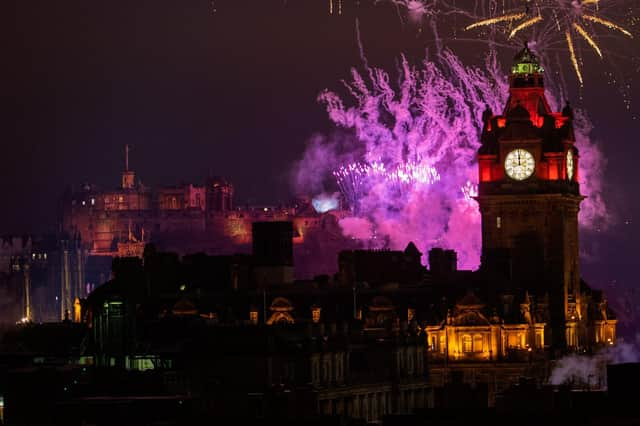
x=529, y=199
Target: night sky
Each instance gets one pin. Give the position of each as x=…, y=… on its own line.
x=230, y=93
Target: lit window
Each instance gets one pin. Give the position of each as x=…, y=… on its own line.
x=477, y=343
x=467, y=343
x=315, y=314
x=253, y=317
x=498, y=222
x=84, y=203
x=93, y=201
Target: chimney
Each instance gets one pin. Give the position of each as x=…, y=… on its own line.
x=442, y=262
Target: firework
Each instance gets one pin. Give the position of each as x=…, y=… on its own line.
x=572, y=55
x=411, y=173
x=469, y=191
x=525, y=24
x=406, y=187
x=548, y=19
x=497, y=20
x=588, y=38
x=352, y=180
x=357, y=178
x=608, y=24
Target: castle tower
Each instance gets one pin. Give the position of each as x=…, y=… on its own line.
x=529, y=198
x=219, y=195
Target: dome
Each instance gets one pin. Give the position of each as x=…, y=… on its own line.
x=280, y=304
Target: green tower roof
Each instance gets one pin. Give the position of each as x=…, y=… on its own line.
x=525, y=62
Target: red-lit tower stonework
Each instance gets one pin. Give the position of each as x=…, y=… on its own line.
x=529, y=199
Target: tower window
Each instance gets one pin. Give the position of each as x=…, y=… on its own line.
x=498, y=222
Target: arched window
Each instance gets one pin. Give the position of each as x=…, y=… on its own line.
x=467, y=343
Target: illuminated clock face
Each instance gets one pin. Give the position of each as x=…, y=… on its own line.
x=570, y=165
x=519, y=164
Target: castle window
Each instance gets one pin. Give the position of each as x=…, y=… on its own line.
x=315, y=314
x=498, y=222
x=253, y=317
x=467, y=343
x=442, y=343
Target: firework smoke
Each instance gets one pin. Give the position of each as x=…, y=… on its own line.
x=591, y=370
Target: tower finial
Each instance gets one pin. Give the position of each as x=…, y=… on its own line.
x=126, y=158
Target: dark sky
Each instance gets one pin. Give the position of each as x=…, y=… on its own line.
x=230, y=93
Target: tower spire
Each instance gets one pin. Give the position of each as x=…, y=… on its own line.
x=126, y=158
x=128, y=176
